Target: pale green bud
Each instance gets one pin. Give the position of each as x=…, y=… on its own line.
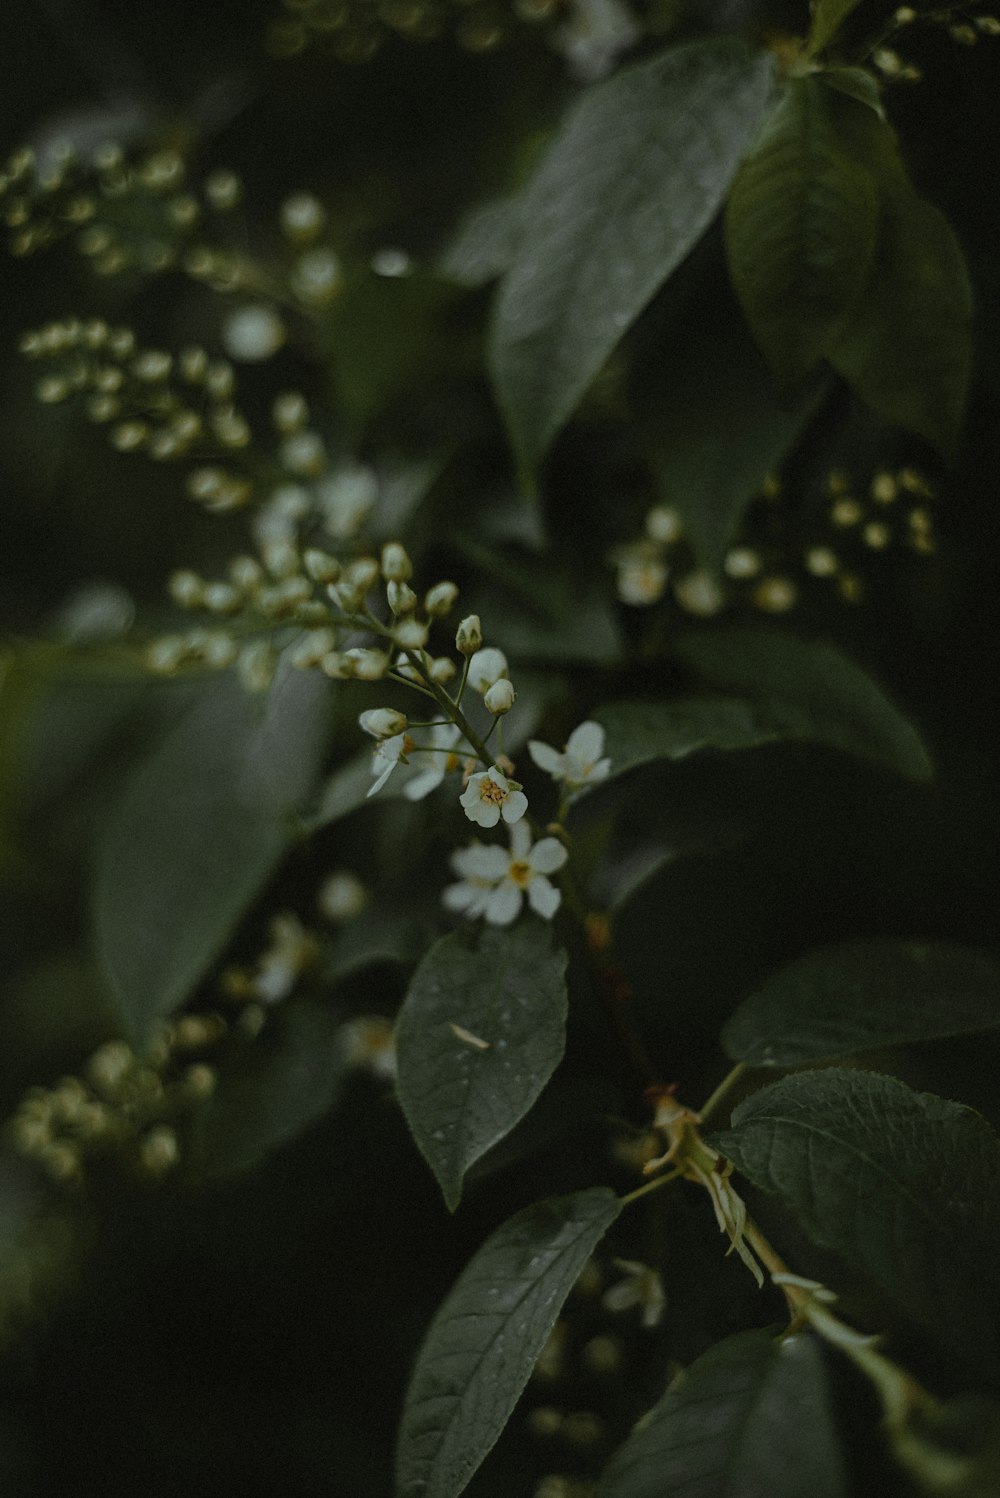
x=469, y=635
x=500, y=697
x=396, y=565
x=411, y=634
x=402, y=599
x=383, y=722
x=439, y=600
x=320, y=565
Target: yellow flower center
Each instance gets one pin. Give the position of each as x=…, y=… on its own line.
x=490, y=791
x=520, y=873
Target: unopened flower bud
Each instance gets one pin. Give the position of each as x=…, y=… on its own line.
x=159, y=1151
x=402, y=599
x=664, y=524
x=469, y=635
x=383, y=722
x=396, y=565
x=341, y=896
x=442, y=669
x=486, y=667
x=320, y=565
x=362, y=574
x=186, y=589
x=500, y=697
x=200, y=1080
x=365, y=665
x=411, y=634
x=438, y=601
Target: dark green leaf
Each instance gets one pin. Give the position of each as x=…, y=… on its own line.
x=801, y=230
x=827, y=18
x=287, y=1079
x=633, y=179
x=857, y=83
x=908, y=349
x=810, y=690
x=485, y=243
x=901, y=1184
x=712, y=422
x=484, y=1341
x=638, y=732
x=750, y=1419
x=506, y=991
x=198, y=830
x=862, y=995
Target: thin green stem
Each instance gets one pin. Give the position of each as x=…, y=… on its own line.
x=654, y=1185
x=728, y=1082
x=453, y=711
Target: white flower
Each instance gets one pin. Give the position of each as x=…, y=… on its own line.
x=486, y=667
x=642, y=1288
x=495, y=881
x=387, y=756
x=490, y=794
x=580, y=762
x=444, y=737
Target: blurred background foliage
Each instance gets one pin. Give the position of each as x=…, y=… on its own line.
x=255, y=1334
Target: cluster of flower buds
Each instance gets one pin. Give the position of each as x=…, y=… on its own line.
x=150, y=401
x=124, y=1109
x=354, y=32
x=120, y=215
x=769, y=568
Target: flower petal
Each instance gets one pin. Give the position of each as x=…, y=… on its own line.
x=586, y=742
x=543, y=897
x=383, y=777
x=545, y=757
x=520, y=841
x=458, y=897
x=599, y=771
x=421, y=785
x=503, y=904
x=484, y=862
x=514, y=807
x=547, y=855
x=483, y=813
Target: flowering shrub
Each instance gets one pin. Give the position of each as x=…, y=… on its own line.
x=568, y=427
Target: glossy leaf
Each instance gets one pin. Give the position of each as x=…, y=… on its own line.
x=485, y=1339
x=751, y=1418
x=810, y=689
x=480, y=1033
x=908, y=349
x=287, y=1079
x=198, y=830
x=801, y=230
x=485, y=243
x=862, y=995
x=631, y=182
x=901, y=1184
x=827, y=18
x=639, y=732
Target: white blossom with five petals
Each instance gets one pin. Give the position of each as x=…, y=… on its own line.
x=495, y=881
x=580, y=762
x=490, y=795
